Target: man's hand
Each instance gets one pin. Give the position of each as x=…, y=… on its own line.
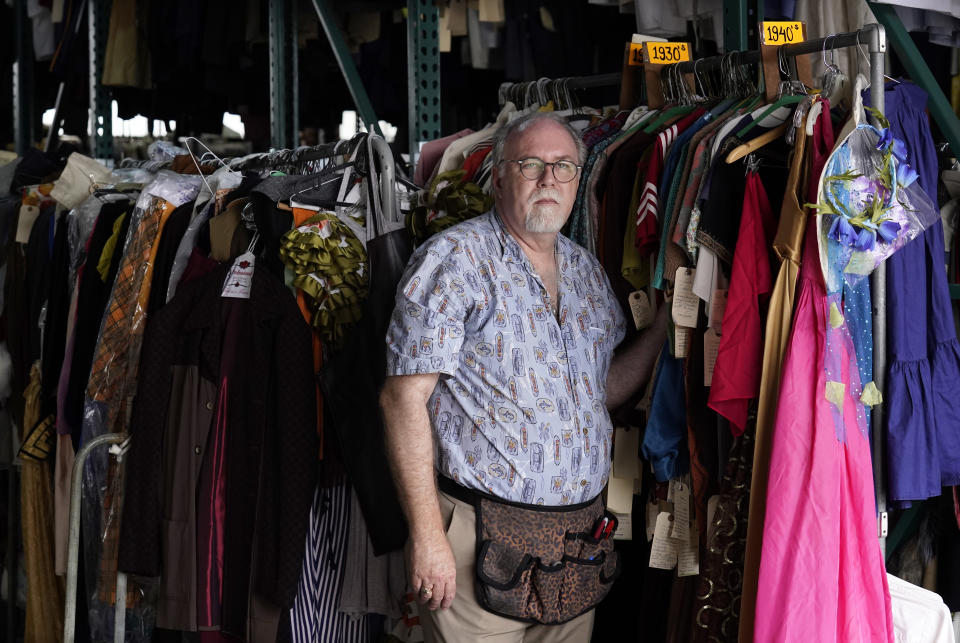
x=433, y=570
x=409, y=441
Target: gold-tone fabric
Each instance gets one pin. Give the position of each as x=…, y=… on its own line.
x=45, y=593
x=788, y=245
x=106, y=255
x=447, y=201
x=330, y=265
x=62, y=483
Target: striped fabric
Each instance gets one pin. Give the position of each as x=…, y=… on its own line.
x=646, y=221
x=315, y=617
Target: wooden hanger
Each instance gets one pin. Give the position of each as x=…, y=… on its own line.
x=753, y=145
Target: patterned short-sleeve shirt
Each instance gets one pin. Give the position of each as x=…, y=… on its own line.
x=519, y=410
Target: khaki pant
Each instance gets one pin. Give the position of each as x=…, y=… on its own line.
x=465, y=620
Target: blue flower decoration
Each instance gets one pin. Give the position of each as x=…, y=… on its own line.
x=886, y=138
x=842, y=231
x=865, y=240
x=906, y=175
x=888, y=230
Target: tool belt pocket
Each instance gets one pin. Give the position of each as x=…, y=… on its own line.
x=542, y=565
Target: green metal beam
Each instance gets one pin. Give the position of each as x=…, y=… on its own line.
x=22, y=79
x=347, y=66
x=283, y=46
x=101, y=112
x=423, y=73
x=919, y=73
x=740, y=21
x=735, y=25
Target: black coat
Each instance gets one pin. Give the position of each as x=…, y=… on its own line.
x=271, y=452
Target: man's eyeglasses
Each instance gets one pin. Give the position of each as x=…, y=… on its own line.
x=533, y=168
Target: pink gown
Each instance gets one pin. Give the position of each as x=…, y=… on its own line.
x=822, y=575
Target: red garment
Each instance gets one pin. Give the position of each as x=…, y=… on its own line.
x=474, y=161
x=431, y=153
x=736, y=375
x=648, y=232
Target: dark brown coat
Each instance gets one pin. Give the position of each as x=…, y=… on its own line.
x=271, y=449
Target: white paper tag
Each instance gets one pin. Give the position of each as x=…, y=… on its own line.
x=240, y=277
x=626, y=462
x=689, y=556
x=686, y=305
x=28, y=215
x=624, y=527
x=640, y=307
x=680, y=529
x=718, y=306
x=653, y=508
x=620, y=495
x=664, y=549
x=682, y=338
x=711, y=345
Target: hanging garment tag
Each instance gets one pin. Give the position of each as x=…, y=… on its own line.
x=640, y=307
x=620, y=495
x=28, y=215
x=443, y=31
x=680, y=528
x=718, y=306
x=240, y=277
x=682, y=338
x=457, y=20
x=664, y=549
x=491, y=11
x=688, y=563
x=626, y=445
x=653, y=509
x=711, y=345
x=624, y=527
x=686, y=305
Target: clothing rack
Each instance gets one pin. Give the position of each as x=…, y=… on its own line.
x=875, y=39
x=563, y=84
x=379, y=150
x=873, y=36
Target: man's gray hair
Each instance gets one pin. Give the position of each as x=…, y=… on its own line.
x=516, y=126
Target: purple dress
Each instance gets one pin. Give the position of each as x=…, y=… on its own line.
x=922, y=397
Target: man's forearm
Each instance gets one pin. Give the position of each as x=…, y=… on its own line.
x=409, y=442
x=631, y=368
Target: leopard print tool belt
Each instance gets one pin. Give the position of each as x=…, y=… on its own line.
x=540, y=564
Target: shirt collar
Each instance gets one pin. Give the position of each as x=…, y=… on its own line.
x=512, y=249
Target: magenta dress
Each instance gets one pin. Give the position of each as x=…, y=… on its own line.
x=822, y=575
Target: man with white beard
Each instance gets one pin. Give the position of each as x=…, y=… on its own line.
x=501, y=368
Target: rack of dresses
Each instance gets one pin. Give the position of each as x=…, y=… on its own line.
x=683, y=183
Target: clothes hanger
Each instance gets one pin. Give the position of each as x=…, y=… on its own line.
x=676, y=95
x=756, y=143
x=784, y=100
x=867, y=60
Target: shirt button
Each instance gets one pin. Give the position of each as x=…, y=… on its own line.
x=196, y=449
x=209, y=406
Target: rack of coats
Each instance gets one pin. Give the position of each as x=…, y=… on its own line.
x=214, y=317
